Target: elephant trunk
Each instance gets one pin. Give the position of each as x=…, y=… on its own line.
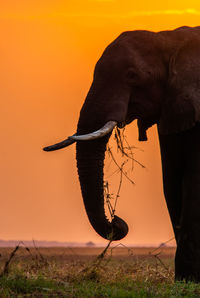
x=90, y=161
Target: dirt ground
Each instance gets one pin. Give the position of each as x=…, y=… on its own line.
x=86, y=253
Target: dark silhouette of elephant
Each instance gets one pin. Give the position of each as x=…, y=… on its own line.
x=154, y=78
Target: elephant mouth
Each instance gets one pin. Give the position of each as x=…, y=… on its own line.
x=129, y=119
x=121, y=124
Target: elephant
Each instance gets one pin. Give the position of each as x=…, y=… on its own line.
x=154, y=78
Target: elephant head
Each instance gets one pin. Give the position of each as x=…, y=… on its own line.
x=135, y=78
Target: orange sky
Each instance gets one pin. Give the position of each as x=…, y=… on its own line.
x=48, y=52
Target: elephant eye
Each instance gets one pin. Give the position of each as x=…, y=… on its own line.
x=132, y=76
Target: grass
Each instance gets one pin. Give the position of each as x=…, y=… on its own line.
x=63, y=272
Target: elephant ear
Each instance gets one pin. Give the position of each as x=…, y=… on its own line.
x=181, y=107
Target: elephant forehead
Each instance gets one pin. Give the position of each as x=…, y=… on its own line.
x=115, y=56
x=117, y=60
x=130, y=53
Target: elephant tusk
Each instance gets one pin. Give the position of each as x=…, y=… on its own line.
x=60, y=145
x=108, y=127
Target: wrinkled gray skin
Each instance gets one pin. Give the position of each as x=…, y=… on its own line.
x=154, y=78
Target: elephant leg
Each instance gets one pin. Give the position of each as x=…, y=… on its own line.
x=181, y=180
x=172, y=170
x=187, y=260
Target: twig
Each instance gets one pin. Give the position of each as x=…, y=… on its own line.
x=157, y=255
x=108, y=197
x=102, y=255
x=115, y=172
x=6, y=267
x=39, y=253
x=161, y=262
x=96, y=263
x=120, y=138
x=130, y=250
x=110, y=152
x=161, y=245
x=26, y=248
x=117, y=195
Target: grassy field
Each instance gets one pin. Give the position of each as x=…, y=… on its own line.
x=83, y=272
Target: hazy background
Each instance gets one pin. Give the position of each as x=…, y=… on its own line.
x=47, y=56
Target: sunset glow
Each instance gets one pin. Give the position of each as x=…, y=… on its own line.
x=48, y=53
